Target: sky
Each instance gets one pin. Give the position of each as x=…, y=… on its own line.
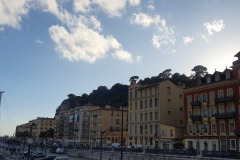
x=51, y=48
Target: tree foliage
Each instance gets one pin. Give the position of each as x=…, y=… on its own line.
x=199, y=71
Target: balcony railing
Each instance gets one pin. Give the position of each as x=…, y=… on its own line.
x=196, y=118
x=196, y=103
x=225, y=115
x=224, y=99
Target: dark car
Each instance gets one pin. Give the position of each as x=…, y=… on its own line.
x=38, y=155
x=49, y=158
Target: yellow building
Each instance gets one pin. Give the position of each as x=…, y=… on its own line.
x=108, y=121
x=42, y=124
x=155, y=115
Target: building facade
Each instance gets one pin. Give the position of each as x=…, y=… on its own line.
x=212, y=111
x=41, y=124
x=72, y=126
x=155, y=114
x=106, y=124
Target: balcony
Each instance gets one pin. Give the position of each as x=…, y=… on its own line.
x=225, y=115
x=196, y=103
x=224, y=99
x=196, y=118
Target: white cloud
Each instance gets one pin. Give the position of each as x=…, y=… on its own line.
x=80, y=42
x=1, y=29
x=151, y=7
x=139, y=59
x=11, y=12
x=39, y=41
x=164, y=34
x=123, y=55
x=215, y=26
x=134, y=2
x=50, y=6
x=111, y=7
x=142, y=19
x=187, y=40
x=82, y=5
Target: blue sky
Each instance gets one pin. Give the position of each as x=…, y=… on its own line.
x=51, y=48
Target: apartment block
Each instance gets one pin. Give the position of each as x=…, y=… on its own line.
x=212, y=111
x=42, y=124
x=155, y=115
x=72, y=126
x=106, y=124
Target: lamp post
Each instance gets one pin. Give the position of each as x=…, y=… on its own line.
x=141, y=128
x=101, y=137
x=122, y=137
x=30, y=140
x=46, y=143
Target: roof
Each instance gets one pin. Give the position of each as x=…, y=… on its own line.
x=237, y=55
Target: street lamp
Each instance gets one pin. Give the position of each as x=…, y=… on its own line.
x=30, y=140
x=122, y=137
x=101, y=144
x=46, y=142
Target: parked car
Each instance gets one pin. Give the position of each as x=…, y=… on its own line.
x=61, y=158
x=38, y=155
x=51, y=157
x=59, y=150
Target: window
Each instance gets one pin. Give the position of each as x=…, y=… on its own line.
x=145, y=92
x=221, y=110
x=135, y=129
x=189, y=114
x=130, y=127
x=151, y=116
x=135, y=117
x=233, y=144
x=168, y=90
x=204, y=97
x=146, y=116
x=217, y=77
x=135, y=93
x=213, y=128
x=150, y=103
x=150, y=91
x=141, y=105
x=156, y=130
x=151, y=129
x=220, y=93
x=223, y=146
x=130, y=106
x=180, y=108
x=229, y=92
x=180, y=96
x=196, y=97
x=208, y=79
x=190, y=128
x=231, y=128
x=156, y=116
x=146, y=104
x=189, y=99
x=169, y=112
x=222, y=127
x=212, y=97
x=156, y=103
x=214, y=145
x=130, y=95
x=205, y=146
x=228, y=75
x=141, y=116
x=135, y=105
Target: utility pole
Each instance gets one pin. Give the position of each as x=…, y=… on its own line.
x=122, y=137
x=30, y=140
x=1, y=92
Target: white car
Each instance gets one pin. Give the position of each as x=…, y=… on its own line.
x=59, y=150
